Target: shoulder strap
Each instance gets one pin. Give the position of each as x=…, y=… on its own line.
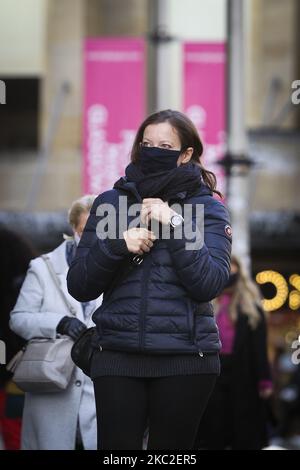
x=128, y=266
x=56, y=281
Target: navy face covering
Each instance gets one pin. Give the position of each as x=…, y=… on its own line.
x=154, y=159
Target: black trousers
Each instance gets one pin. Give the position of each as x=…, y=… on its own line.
x=171, y=407
x=216, y=430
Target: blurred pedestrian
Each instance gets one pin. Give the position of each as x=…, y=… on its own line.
x=157, y=359
x=238, y=410
x=67, y=419
x=16, y=253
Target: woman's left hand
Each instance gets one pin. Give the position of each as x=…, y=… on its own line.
x=155, y=208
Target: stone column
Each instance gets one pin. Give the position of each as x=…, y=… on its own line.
x=272, y=61
x=65, y=34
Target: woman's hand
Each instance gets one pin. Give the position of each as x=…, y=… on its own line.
x=139, y=240
x=70, y=326
x=155, y=208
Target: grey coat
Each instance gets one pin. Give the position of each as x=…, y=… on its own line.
x=50, y=420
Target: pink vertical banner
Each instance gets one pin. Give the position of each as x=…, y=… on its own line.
x=114, y=106
x=204, y=100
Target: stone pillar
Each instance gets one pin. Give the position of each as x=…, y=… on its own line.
x=65, y=34
x=116, y=17
x=273, y=57
x=69, y=22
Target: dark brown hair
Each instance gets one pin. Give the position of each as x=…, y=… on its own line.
x=188, y=136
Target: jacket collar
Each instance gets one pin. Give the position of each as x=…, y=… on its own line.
x=58, y=259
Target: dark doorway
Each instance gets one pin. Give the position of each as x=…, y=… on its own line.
x=19, y=116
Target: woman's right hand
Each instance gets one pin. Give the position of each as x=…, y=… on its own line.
x=139, y=240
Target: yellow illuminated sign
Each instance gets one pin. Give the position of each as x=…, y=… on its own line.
x=294, y=280
x=282, y=290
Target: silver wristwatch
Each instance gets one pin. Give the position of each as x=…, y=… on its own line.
x=176, y=220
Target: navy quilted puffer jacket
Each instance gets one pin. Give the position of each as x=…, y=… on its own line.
x=163, y=304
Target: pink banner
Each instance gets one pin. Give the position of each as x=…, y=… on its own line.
x=204, y=100
x=114, y=106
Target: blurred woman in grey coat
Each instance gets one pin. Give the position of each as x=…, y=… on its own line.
x=64, y=420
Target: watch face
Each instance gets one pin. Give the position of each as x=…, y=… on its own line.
x=176, y=220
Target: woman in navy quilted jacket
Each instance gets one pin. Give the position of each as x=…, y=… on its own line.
x=158, y=247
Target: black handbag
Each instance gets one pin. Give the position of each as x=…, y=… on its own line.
x=87, y=343
x=82, y=350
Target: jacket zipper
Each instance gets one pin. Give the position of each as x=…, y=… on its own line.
x=133, y=191
x=144, y=292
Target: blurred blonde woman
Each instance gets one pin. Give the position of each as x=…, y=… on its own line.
x=236, y=416
x=65, y=420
